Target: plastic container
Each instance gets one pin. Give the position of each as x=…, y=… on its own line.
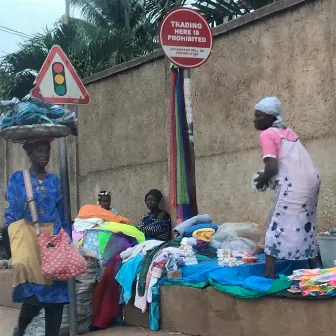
x=327, y=244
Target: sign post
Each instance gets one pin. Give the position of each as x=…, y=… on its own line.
x=58, y=83
x=187, y=40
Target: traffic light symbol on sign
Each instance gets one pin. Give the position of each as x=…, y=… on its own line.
x=58, y=71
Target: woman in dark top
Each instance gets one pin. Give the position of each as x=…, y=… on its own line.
x=156, y=224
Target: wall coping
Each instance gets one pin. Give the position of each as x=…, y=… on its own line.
x=276, y=7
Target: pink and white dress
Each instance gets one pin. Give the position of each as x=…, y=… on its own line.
x=291, y=226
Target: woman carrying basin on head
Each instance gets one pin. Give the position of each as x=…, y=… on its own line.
x=291, y=226
x=29, y=285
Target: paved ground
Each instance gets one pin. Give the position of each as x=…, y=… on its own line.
x=8, y=318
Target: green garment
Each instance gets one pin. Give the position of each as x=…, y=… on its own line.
x=238, y=291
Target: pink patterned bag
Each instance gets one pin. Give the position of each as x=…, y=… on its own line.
x=60, y=259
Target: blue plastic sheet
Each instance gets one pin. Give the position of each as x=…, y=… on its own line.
x=201, y=272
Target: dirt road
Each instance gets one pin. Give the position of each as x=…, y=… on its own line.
x=8, y=318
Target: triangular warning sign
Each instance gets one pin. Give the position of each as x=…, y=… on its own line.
x=58, y=81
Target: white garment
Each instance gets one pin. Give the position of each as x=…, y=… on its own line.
x=81, y=224
x=140, y=301
x=291, y=226
x=163, y=255
x=142, y=248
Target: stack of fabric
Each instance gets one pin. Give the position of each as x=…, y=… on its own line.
x=314, y=282
x=95, y=224
x=201, y=229
x=105, y=235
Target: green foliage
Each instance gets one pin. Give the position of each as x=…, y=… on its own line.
x=110, y=32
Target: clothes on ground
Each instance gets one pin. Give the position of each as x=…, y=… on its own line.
x=154, y=229
x=142, y=249
x=27, y=274
x=317, y=282
x=96, y=211
x=189, y=232
x=291, y=226
x=181, y=228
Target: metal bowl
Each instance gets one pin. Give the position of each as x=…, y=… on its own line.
x=19, y=134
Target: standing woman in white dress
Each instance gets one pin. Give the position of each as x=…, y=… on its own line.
x=291, y=226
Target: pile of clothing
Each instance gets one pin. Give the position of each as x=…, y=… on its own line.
x=94, y=222
x=144, y=264
x=198, y=232
x=314, y=282
x=102, y=234
x=35, y=112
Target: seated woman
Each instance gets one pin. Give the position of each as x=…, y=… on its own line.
x=104, y=200
x=156, y=224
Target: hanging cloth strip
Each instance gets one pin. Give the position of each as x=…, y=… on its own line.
x=182, y=192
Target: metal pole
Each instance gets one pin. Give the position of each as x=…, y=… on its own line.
x=67, y=11
x=63, y=157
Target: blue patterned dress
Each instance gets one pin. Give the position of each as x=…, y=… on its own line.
x=50, y=209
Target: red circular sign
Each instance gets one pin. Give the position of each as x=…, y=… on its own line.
x=186, y=38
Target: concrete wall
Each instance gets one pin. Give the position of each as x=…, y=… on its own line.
x=208, y=312
x=289, y=55
x=286, y=49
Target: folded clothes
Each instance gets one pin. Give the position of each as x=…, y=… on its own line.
x=189, y=232
x=191, y=241
x=317, y=282
x=204, y=234
x=180, y=229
